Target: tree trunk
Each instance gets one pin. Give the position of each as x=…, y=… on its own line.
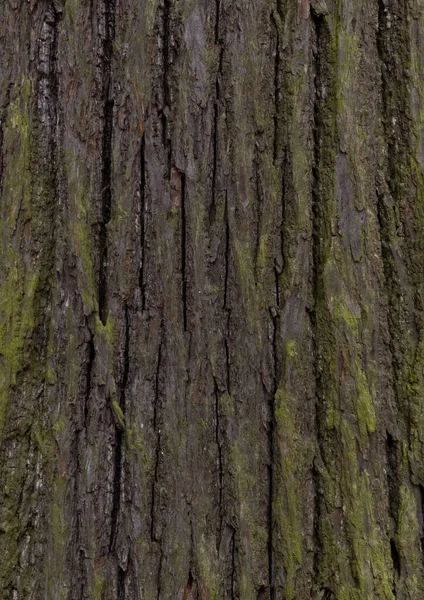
x=212, y=299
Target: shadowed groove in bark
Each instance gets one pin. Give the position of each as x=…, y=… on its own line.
x=258, y=202
x=188, y=588
x=184, y=249
x=277, y=69
x=119, y=442
x=156, y=429
x=142, y=192
x=166, y=103
x=2, y=126
x=271, y=442
x=212, y=210
x=393, y=55
x=1, y=157
x=227, y=253
x=393, y=500
x=233, y=590
x=106, y=174
x=218, y=442
x=319, y=56
x=88, y=377
x=120, y=584
x=421, y=500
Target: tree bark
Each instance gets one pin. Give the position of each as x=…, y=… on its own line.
x=212, y=299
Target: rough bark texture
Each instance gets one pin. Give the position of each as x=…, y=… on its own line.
x=211, y=299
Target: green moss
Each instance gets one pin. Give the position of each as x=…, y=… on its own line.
x=118, y=413
x=364, y=405
x=246, y=273
x=96, y=588
x=286, y=503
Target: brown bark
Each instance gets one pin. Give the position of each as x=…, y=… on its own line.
x=211, y=299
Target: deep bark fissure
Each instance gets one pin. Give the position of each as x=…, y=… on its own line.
x=421, y=493
x=88, y=377
x=188, y=588
x=227, y=357
x=120, y=584
x=107, y=159
x=117, y=477
x=119, y=441
x=393, y=501
x=392, y=477
x=166, y=87
x=320, y=34
x=218, y=442
x=233, y=565
x=215, y=125
x=2, y=126
x=142, y=192
x=227, y=253
x=156, y=429
x=389, y=42
x=271, y=441
x=80, y=444
x=184, y=248
x=258, y=200
x=1, y=157
x=277, y=67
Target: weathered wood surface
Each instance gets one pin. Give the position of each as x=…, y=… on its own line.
x=211, y=299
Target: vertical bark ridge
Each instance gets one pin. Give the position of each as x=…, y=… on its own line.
x=399, y=190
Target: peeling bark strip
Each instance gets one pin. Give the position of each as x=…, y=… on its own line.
x=106, y=179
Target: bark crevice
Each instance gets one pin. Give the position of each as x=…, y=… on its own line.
x=142, y=192
x=215, y=123
x=184, y=276
x=106, y=157
x=218, y=441
x=156, y=429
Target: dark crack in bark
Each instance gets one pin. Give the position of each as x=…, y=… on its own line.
x=156, y=429
x=119, y=442
x=120, y=584
x=277, y=70
x=218, y=441
x=107, y=160
x=184, y=249
x=233, y=590
x=188, y=588
x=271, y=442
x=320, y=39
x=142, y=192
x=166, y=75
x=212, y=210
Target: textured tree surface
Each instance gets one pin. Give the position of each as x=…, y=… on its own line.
x=211, y=299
